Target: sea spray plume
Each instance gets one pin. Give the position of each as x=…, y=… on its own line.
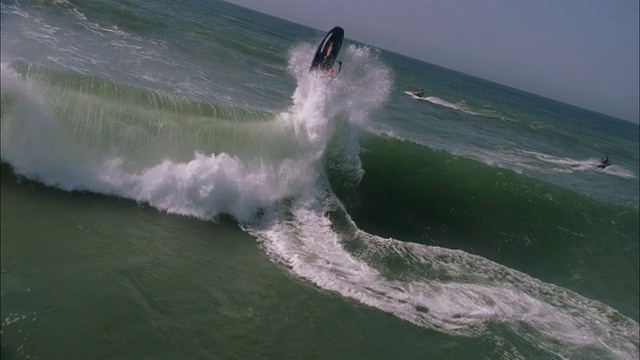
x=360, y=90
x=333, y=110
x=365, y=86
x=362, y=87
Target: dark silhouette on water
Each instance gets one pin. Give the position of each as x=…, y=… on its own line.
x=604, y=163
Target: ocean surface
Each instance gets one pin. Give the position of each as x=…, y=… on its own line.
x=175, y=184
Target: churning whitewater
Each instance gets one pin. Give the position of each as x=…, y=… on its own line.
x=40, y=121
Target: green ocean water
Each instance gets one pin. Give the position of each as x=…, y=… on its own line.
x=175, y=184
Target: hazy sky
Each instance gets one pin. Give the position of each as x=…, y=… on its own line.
x=583, y=52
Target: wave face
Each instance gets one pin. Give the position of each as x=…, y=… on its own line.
x=324, y=193
x=82, y=133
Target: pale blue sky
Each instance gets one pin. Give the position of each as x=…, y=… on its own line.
x=583, y=52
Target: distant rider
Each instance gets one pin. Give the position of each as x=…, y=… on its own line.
x=604, y=163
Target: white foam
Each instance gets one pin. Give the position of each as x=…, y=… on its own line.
x=211, y=184
x=436, y=100
x=444, y=290
x=570, y=165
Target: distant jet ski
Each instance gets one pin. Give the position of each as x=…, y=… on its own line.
x=418, y=93
x=604, y=163
x=328, y=50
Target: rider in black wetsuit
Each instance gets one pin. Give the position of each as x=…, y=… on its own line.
x=604, y=163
